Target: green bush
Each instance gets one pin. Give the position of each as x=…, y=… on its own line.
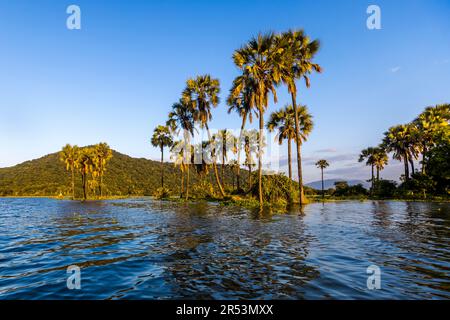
x=276, y=188
x=162, y=193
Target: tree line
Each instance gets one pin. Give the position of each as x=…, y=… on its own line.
x=427, y=139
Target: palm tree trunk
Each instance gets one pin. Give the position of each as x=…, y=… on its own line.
x=405, y=159
x=261, y=128
x=232, y=176
x=290, y=168
x=323, y=189
x=223, y=160
x=100, y=185
x=216, y=172
x=162, y=166
x=187, y=181
x=373, y=178
x=290, y=160
x=83, y=178
x=411, y=161
x=238, y=177
x=299, y=156
x=249, y=176
x=424, y=151
x=73, y=183
x=378, y=174
x=182, y=184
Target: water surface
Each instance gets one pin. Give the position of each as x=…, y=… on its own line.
x=145, y=249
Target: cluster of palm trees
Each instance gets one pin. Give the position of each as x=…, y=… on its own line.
x=375, y=158
x=407, y=142
x=90, y=162
x=265, y=62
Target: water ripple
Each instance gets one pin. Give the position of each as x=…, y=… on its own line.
x=145, y=249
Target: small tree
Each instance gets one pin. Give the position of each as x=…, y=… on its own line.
x=322, y=164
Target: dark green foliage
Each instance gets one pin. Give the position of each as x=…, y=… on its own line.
x=438, y=166
x=342, y=189
x=385, y=188
x=125, y=176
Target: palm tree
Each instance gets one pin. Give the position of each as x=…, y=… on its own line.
x=322, y=164
x=402, y=142
x=102, y=154
x=380, y=160
x=201, y=94
x=297, y=52
x=367, y=154
x=243, y=104
x=257, y=60
x=162, y=138
x=284, y=120
x=69, y=155
x=181, y=118
x=85, y=164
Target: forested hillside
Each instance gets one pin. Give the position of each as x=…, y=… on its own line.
x=124, y=176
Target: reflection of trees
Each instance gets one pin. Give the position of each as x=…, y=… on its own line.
x=381, y=214
x=232, y=256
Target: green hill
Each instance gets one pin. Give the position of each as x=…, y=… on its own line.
x=125, y=176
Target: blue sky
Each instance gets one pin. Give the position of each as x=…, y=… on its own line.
x=116, y=78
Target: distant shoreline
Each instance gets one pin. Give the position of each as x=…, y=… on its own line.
x=225, y=201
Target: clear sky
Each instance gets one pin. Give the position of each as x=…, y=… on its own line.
x=116, y=78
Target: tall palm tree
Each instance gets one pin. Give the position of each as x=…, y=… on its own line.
x=102, y=154
x=257, y=60
x=69, y=155
x=284, y=121
x=201, y=94
x=367, y=154
x=243, y=104
x=380, y=160
x=297, y=52
x=85, y=164
x=322, y=164
x=162, y=138
x=181, y=118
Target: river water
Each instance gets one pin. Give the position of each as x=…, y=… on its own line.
x=147, y=249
